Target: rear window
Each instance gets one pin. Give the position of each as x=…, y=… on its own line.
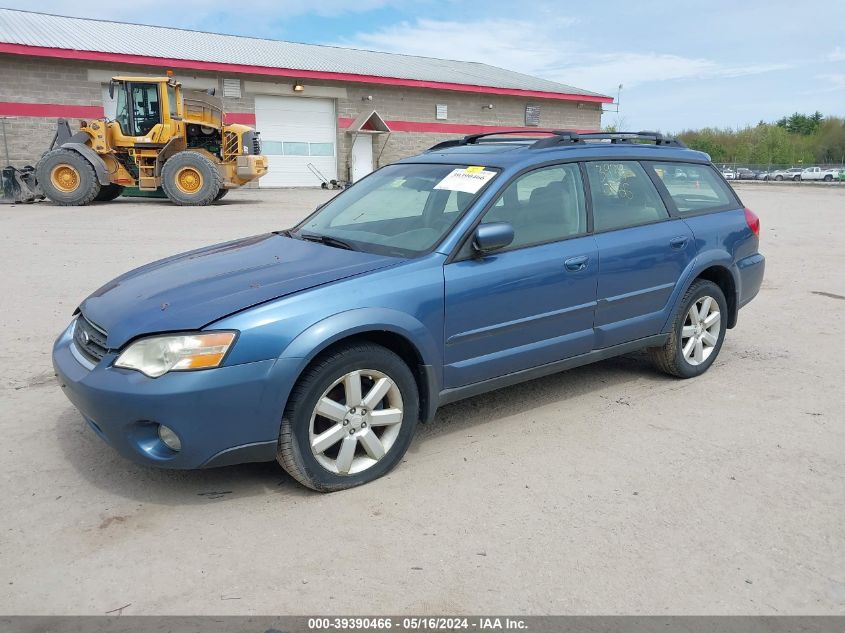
x=694, y=187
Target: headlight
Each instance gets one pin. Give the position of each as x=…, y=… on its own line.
x=157, y=355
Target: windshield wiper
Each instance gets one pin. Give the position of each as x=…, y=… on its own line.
x=327, y=240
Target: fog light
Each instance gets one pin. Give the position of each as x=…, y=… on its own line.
x=170, y=439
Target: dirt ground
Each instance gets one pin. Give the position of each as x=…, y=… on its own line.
x=605, y=489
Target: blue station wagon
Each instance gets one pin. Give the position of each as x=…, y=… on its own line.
x=481, y=263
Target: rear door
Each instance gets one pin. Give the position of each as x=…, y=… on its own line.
x=643, y=252
x=533, y=302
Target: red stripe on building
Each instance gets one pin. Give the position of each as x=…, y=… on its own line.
x=11, y=108
x=53, y=110
x=244, y=118
x=146, y=60
x=447, y=128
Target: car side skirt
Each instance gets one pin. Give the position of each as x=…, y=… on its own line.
x=468, y=391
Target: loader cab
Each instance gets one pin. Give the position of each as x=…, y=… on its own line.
x=143, y=103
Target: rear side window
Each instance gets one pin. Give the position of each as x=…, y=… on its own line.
x=694, y=187
x=623, y=195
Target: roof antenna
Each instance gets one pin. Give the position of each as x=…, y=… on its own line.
x=617, y=102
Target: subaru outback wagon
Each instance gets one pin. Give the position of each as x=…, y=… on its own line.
x=480, y=263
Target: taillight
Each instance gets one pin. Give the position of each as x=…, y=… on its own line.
x=753, y=221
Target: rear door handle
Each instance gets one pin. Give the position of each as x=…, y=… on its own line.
x=574, y=264
x=679, y=242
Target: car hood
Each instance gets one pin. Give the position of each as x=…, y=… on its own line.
x=191, y=290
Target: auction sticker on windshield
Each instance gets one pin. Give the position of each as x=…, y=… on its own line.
x=466, y=179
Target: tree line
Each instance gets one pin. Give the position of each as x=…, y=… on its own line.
x=798, y=139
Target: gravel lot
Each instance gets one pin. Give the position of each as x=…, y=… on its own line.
x=605, y=489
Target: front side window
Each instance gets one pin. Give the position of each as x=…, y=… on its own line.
x=402, y=210
x=623, y=195
x=694, y=187
x=121, y=114
x=544, y=205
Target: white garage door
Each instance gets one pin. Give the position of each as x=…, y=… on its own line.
x=296, y=131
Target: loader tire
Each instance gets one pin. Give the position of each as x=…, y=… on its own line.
x=191, y=179
x=221, y=194
x=67, y=178
x=109, y=193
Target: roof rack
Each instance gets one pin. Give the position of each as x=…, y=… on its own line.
x=556, y=138
x=473, y=139
x=567, y=136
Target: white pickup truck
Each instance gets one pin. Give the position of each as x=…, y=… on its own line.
x=817, y=173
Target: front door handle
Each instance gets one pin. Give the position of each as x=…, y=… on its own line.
x=574, y=264
x=679, y=242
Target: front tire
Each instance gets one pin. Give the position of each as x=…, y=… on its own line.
x=349, y=419
x=67, y=178
x=698, y=332
x=191, y=179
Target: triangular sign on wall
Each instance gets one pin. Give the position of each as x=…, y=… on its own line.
x=371, y=123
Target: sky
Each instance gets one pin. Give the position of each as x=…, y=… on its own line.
x=682, y=64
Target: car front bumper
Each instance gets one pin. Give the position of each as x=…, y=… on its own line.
x=222, y=416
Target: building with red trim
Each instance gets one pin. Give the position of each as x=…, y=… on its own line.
x=339, y=112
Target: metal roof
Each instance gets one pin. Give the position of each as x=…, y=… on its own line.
x=82, y=34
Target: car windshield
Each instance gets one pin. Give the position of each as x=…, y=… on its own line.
x=402, y=210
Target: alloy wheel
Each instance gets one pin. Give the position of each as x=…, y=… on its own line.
x=700, y=331
x=356, y=422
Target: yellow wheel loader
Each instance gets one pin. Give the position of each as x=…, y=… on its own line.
x=159, y=137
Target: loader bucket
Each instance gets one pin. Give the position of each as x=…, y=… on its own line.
x=19, y=185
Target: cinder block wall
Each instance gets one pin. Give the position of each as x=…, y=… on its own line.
x=57, y=81
x=33, y=80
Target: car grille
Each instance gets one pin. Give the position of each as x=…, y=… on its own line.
x=90, y=340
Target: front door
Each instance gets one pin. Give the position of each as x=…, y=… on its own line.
x=643, y=253
x=138, y=109
x=533, y=302
x=362, y=156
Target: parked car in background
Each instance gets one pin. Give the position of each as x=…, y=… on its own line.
x=744, y=173
x=793, y=173
x=763, y=175
x=818, y=173
x=842, y=175
x=479, y=264
x=729, y=174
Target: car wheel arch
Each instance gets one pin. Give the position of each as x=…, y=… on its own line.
x=394, y=330
x=726, y=280
x=717, y=267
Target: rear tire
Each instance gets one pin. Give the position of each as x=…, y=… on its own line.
x=191, y=179
x=828, y=178
x=364, y=433
x=67, y=178
x=778, y=178
x=221, y=194
x=694, y=344
x=109, y=193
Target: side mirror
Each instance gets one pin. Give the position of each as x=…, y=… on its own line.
x=111, y=89
x=492, y=237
